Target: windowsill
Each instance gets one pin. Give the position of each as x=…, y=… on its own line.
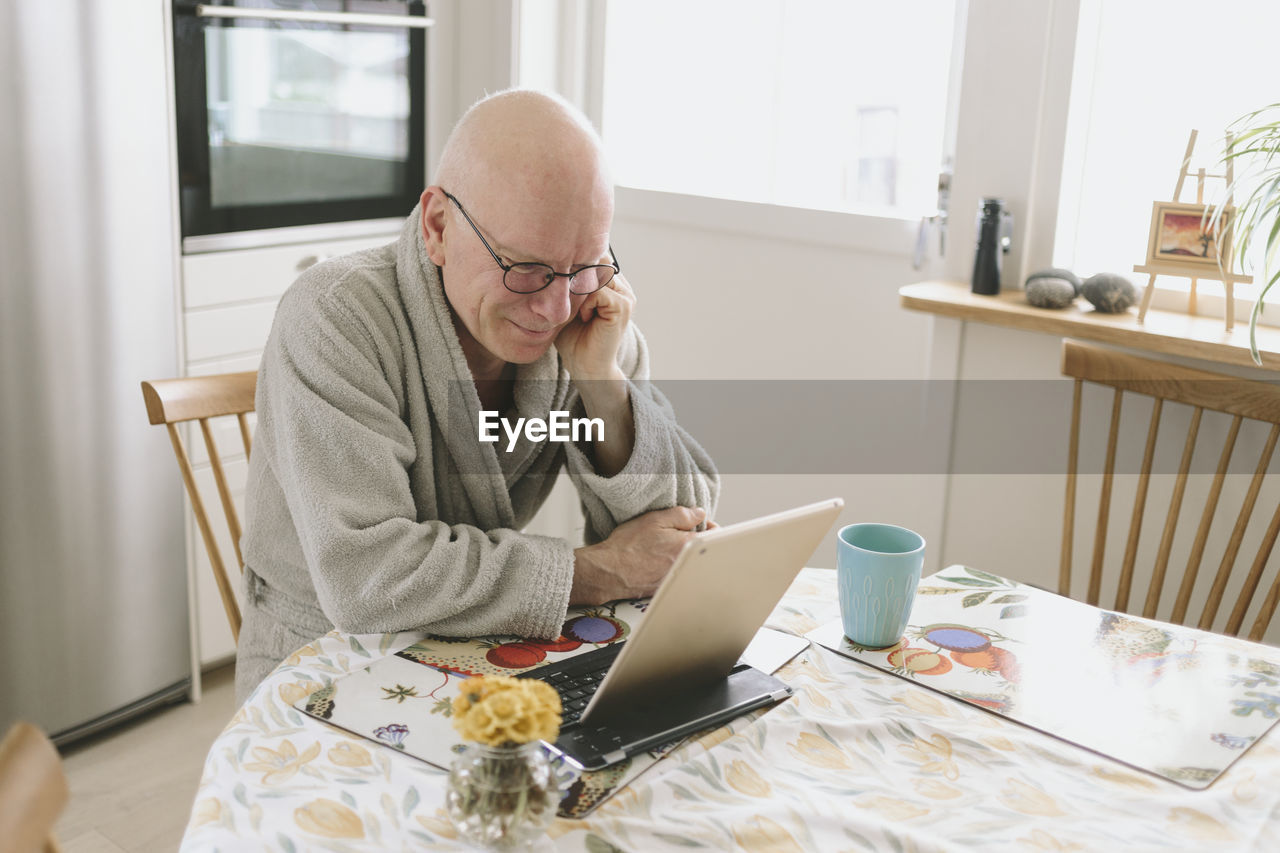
x=860, y=232
x=1165, y=332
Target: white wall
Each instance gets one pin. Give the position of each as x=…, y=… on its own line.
x=741, y=292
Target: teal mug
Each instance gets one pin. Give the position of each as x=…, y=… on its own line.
x=877, y=571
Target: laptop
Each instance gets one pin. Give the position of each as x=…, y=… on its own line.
x=679, y=671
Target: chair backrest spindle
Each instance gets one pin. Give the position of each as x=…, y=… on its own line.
x=1069, y=509
x=1233, y=546
x=1171, y=520
x=1139, y=510
x=224, y=492
x=1183, y=600
x=1104, y=503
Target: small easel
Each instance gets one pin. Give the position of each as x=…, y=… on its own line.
x=1157, y=265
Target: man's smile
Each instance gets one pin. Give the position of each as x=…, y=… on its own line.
x=543, y=334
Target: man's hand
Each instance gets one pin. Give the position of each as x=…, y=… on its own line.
x=588, y=346
x=589, y=343
x=635, y=558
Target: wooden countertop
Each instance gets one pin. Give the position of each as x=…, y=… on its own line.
x=1163, y=332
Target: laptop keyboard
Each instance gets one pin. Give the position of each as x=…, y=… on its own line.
x=576, y=679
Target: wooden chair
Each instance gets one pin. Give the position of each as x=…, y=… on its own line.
x=1242, y=399
x=174, y=401
x=33, y=790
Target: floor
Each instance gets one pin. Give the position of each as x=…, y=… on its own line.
x=132, y=788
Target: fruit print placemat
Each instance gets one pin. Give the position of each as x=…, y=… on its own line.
x=404, y=700
x=1175, y=701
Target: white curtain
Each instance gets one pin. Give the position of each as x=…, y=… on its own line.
x=92, y=568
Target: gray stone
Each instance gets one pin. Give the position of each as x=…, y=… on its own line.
x=1109, y=292
x=1049, y=292
x=1055, y=272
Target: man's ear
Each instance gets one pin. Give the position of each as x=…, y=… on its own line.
x=435, y=213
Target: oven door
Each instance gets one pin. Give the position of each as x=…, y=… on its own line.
x=298, y=112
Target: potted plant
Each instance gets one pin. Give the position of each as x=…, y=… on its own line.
x=1255, y=149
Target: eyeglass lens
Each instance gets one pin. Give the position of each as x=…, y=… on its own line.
x=528, y=278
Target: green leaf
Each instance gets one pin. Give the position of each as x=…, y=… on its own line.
x=411, y=799
x=972, y=582
x=678, y=840
x=285, y=842
x=682, y=792
x=875, y=741
x=357, y=648
x=348, y=799
x=1013, y=611
x=862, y=840
x=596, y=844
x=1011, y=598
x=239, y=795
x=975, y=598
x=937, y=590
x=986, y=576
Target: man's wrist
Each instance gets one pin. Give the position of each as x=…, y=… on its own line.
x=584, y=589
x=601, y=395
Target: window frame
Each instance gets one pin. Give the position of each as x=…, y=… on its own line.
x=1029, y=87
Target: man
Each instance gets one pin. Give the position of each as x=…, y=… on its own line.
x=372, y=502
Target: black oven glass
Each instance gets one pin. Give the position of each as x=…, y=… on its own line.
x=295, y=122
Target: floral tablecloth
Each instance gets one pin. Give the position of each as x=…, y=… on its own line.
x=857, y=759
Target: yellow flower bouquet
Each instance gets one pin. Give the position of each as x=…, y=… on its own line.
x=503, y=790
x=499, y=710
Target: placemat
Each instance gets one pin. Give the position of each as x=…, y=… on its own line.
x=1174, y=701
x=405, y=699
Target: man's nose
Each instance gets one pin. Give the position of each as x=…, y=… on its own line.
x=553, y=303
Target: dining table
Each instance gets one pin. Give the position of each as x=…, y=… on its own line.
x=858, y=758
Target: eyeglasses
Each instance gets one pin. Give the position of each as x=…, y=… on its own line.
x=530, y=276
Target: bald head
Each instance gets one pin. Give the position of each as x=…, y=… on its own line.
x=521, y=144
x=529, y=171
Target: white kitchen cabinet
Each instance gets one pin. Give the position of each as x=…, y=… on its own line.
x=229, y=299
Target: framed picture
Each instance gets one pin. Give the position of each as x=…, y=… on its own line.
x=1182, y=239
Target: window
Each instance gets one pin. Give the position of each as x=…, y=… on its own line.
x=877, y=172
x=810, y=103
x=1146, y=73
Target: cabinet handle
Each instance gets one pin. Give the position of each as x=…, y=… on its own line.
x=310, y=261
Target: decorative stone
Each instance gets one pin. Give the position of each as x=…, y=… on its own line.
x=1109, y=292
x=1056, y=272
x=1050, y=292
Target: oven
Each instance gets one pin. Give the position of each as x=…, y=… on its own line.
x=297, y=112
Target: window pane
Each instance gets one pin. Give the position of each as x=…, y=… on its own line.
x=1147, y=72
x=813, y=103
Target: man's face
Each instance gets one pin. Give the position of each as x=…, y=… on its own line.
x=561, y=232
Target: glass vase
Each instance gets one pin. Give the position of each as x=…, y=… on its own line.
x=505, y=797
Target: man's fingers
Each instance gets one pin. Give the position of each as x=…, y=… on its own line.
x=681, y=517
x=620, y=284
x=610, y=301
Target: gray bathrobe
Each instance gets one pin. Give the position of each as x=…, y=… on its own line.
x=372, y=506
